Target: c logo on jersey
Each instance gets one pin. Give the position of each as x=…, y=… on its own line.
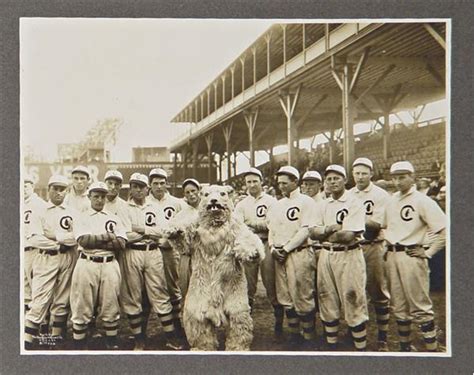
x=406, y=212
x=65, y=222
x=341, y=215
x=293, y=213
x=110, y=226
x=169, y=212
x=369, y=207
x=27, y=216
x=150, y=219
x=261, y=210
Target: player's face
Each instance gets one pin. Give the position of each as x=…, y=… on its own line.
x=336, y=183
x=56, y=194
x=403, y=182
x=97, y=200
x=79, y=181
x=362, y=176
x=114, y=186
x=158, y=186
x=28, y=189
x=311, y=187
x=286, y=184
x=253, y=184
x=138, y=191
x=191, y=193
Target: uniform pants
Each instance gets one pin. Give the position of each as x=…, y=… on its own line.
x=171, y=260
x=341, y=286
x=28, y=259
x=144, y=268
x=295, y=281
x=51, y=282
x=377, y=288
x=408, y=282
x=95, y=283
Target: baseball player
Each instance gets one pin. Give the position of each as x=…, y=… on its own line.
x=114, y=204
x=341, y=266
x=32, y=205
x=52, y=233
x=168, y=207
x=374, y=199
x=77, y=195
x=189, y=213
x=409, y=215
x=143, y=265
x=288, y=221
x=96, y=277
x=252, y=210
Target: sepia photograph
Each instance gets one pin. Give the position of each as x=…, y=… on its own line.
x=235, y=186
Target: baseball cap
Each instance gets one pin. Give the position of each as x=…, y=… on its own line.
x=339, y=169
x=191, y=181
x=312, y=175
x=81, y=169
x=254, y=171
x=113, y=174
x=289, y=171
x=58, y=180
x=401, y=167
x=98, y=186
x=28, y=178
x=158, y=172
x=363, y=161
x=139, y=178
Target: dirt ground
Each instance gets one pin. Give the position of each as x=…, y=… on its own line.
x=263, y=331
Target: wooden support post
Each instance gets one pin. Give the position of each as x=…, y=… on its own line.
x=347, y=118
x=227, y=130
x=220, y=167
x=209, y=139
x=175, y=173
x=251, y=120
x=288, y=101
x=195, y=156
x=184, y=156
x=268, y=38
x=234, y=164
x=386, y=135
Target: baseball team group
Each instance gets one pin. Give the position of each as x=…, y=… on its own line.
x=91, y=257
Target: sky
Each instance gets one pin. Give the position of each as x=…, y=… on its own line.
x=76, y=71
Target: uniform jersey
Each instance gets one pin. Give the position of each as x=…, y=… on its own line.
x=59, y=221
x=168, y=205
x=253, y=211
x=118, y=207
x=80, y=202
x=408, y=217
x=346, y=211
x=148, y=215
x=99, y=222
x=374, y=200
x=33, y=206
x=288, y=215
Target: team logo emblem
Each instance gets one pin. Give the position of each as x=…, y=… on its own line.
x=369, y=207
x=27, y=216
x=341, y=215
x=65, y=222
x=261, y=210
x=169, y=212
x=293, y=213
x=150, y=219
x=406, y=212
x=110, y=226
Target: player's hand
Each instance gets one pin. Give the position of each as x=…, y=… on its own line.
x=153, y=237
x=279, y=255
x=48, y=233
x=418, y=252
x=138, y=229
x=330, y=229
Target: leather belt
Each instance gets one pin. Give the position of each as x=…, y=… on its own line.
x=317, y=247
x=401, y=247
x=97, y=258
x=367, y=242
x=29, y=248
x=298, y=249
x=144, y=247
x=340, y=247
x=54, y=252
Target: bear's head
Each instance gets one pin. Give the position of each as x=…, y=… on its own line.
x=216, y=206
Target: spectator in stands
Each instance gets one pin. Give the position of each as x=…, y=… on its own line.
x=423, y=185
x=441, y=198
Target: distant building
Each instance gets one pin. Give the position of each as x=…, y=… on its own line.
x=150, y=154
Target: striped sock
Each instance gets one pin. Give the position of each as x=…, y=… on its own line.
x=429, y=335
x=167, y=323
x=135, y=322
x=111, y=328
x=176, y=312
x=309, y=329
x=31, y=330
x=79, y=332
x=293, y=322
x=331, y=330
x=59, y=325
x=383, y=317
x=404, y=333
x=278, y=313
x=359, y=335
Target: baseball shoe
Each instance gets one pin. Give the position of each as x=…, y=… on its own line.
x=382, y=346
x=408, y=349
x=111, y=343
x=174, y=344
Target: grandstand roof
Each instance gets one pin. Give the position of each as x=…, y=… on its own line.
x=402, y=65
